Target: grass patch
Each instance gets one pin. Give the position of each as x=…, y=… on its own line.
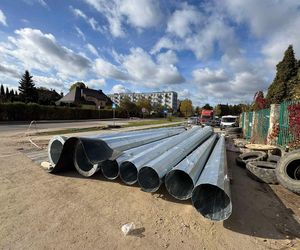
x=70, y=130
x=151, y=122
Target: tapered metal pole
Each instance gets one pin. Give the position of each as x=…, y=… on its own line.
x=86, y=153
x=211, y=195
x=129, y=168
x=110, y=168
x=180, y=181
x=151, y=175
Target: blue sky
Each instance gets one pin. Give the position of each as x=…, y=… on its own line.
x=219, y=51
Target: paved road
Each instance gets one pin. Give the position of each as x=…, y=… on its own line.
x=23, y=126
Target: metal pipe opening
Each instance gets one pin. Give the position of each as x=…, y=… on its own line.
x=179, y=184
x=212, y=202
x=55, y=150
x=148, y=179
x=82, y=162
x=128, y=173
x=110, y=169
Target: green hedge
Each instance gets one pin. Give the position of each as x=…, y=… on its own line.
x=32, y=111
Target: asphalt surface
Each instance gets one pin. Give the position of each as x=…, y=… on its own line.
x=41, y=125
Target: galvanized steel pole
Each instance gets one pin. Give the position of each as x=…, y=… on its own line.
x=180, y=181
x=110, y=168
x=129, y=168
x=211, y=195
x=86, y=153
x=151, y=175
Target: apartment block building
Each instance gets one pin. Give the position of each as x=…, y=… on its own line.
x=166, y=99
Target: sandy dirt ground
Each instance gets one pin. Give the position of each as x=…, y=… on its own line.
x=45, y=211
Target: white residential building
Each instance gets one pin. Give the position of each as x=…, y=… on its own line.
x=167, y=99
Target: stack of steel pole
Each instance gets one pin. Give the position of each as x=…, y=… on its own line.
x=85, y=153
x=181, y=180
x=192, y=163
x=129, y=169
x=151, y=175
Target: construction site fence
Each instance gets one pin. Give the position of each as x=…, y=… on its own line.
x=277, y=125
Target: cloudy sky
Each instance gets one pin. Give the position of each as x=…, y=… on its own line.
x=217, y=51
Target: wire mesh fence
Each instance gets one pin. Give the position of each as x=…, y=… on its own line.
x=289, y=124
x=249, y=125
x=286, y=132
x=262, y=125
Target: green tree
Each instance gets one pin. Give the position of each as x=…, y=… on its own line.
x=144, y=103
x=47, y=96
x=281, y=89
x=218, y=110
x=198, y=110
x=11, y=95
x=27, y=88
x=7, y=93
x=129, y=106
x=157, y=108
x=294, y=86
x=207, y=106
x=2, y=92
x=80, y=85
x=186, y=107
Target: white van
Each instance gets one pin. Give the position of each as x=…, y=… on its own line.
x=229, y=121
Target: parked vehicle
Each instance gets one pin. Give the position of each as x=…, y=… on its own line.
x=229, y=121
x=194, y=120
x=217, y=122
x=207, y=116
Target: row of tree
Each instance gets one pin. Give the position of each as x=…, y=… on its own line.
x=186, y=108
x=142, y=107
x=28, y=93
x=7, y=95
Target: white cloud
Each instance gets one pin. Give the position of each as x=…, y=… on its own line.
x=139, y=68
x=145, y=71
x=141, y=13
x=119, y=88
x=9, y=70
x=49, y=82
x=41, y=2
x=167, y=42
x=90, y=20
x=110, y=9
x=92, y=49
x=184, y=94
x=201, y=36
x=181, y=21
x=273, y=21
x=80, y=33
x=108, y=70
x=137, y=13
x=95, y=83
x=2, y=18
x=206, y=76
x=222, y=87
x=36, y=50
x=264, y=17
x=167, y=58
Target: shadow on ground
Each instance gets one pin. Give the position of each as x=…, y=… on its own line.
x=257, y=210
x=162, y=193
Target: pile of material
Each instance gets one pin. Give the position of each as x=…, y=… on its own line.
x=192, y=163
x=281, y=169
